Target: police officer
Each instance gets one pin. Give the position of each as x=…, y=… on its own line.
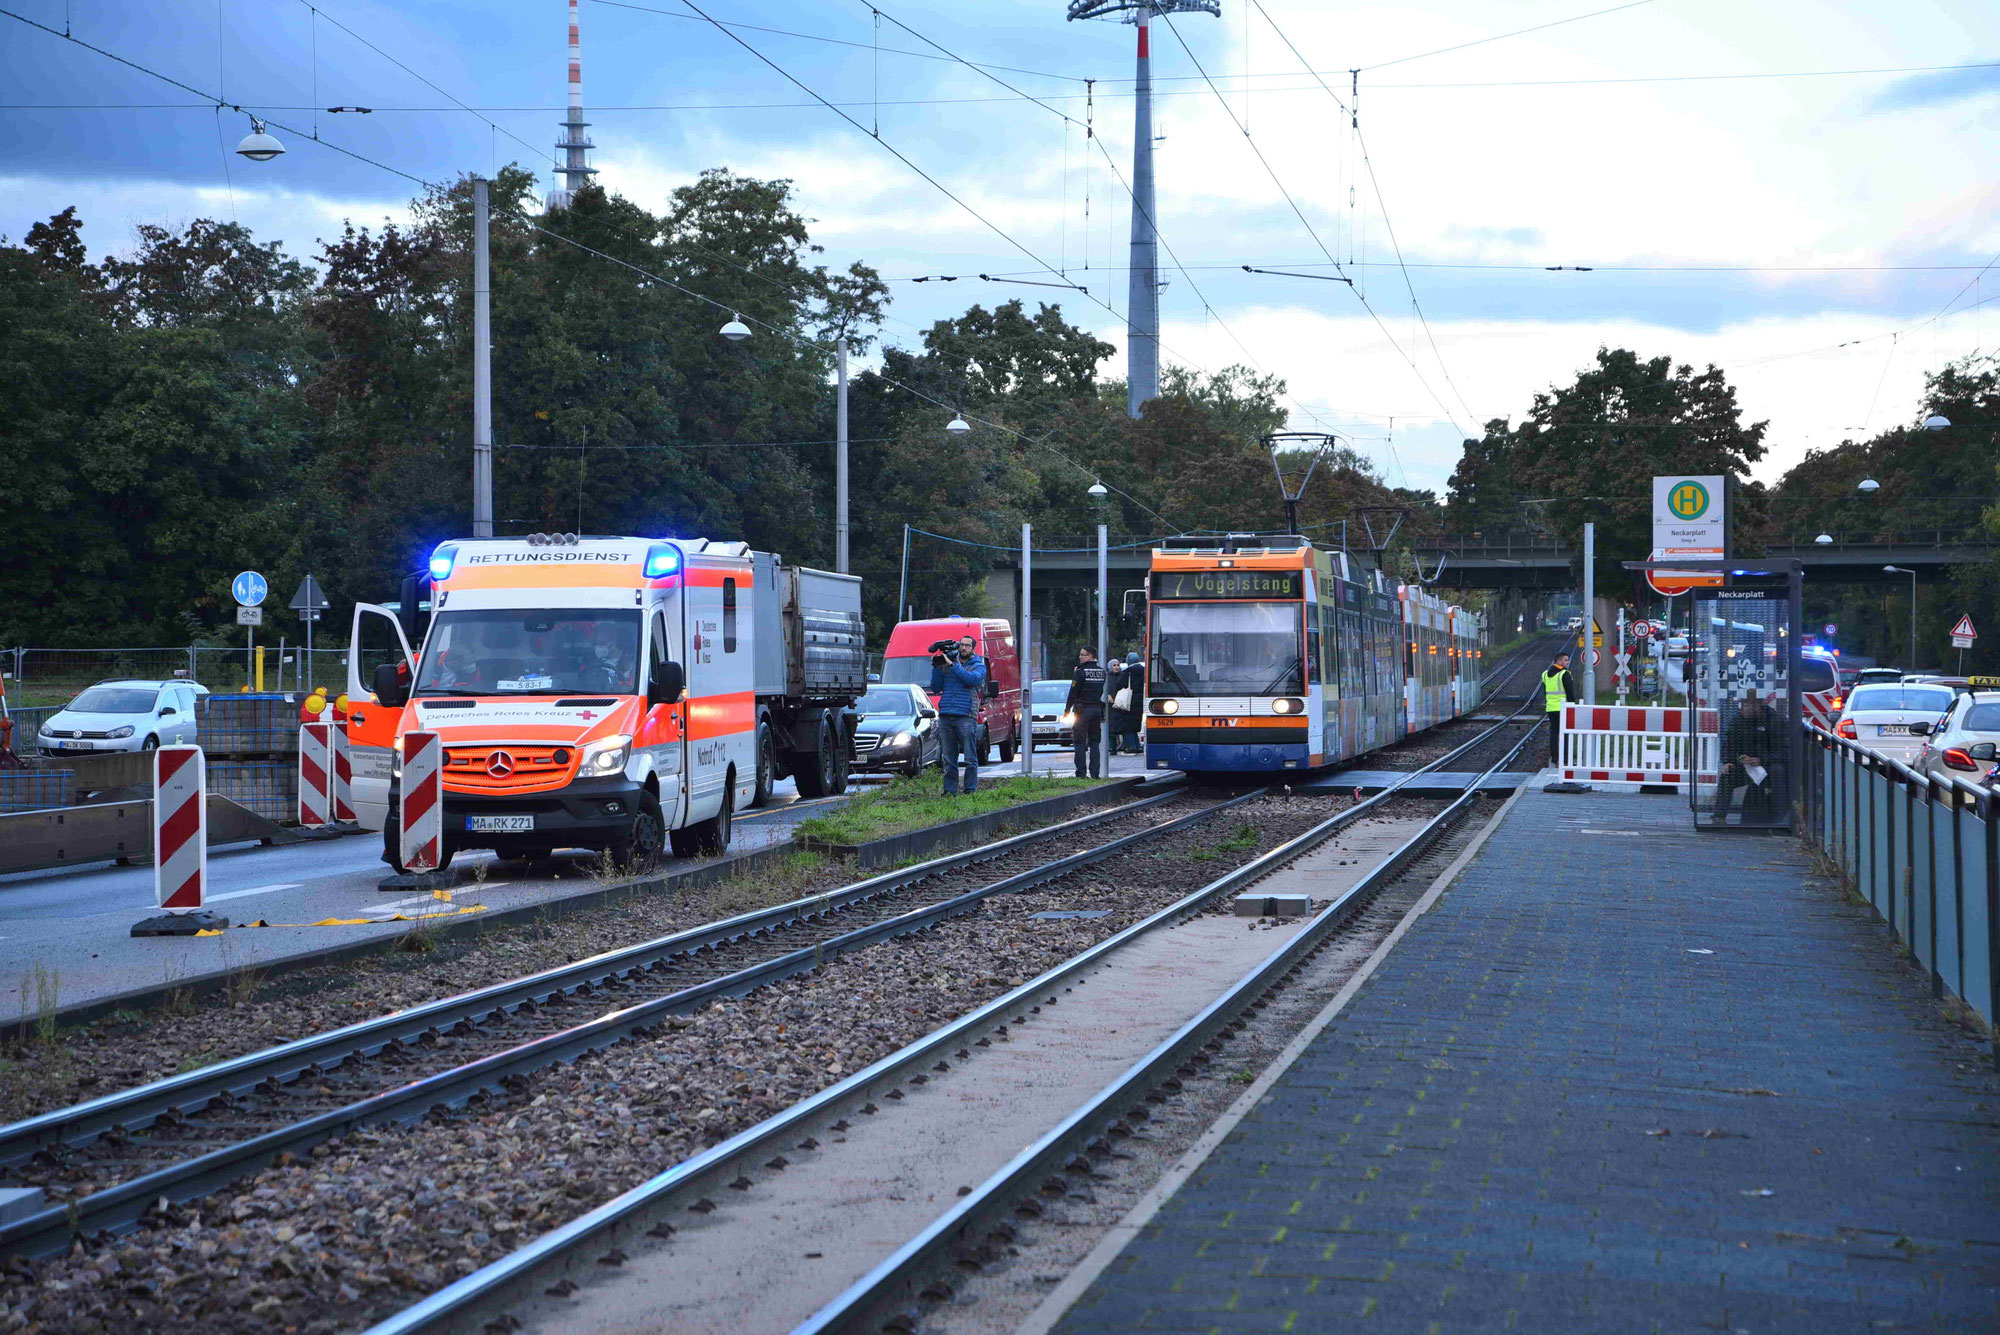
x=1086, y=705
x=1558, y=689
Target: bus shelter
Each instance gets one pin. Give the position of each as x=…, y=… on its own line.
x=1744, y=688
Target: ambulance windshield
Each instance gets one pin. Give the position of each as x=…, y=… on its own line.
x=517, y=651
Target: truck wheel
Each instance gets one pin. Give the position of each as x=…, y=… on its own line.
x=815, y=770
x=767, y=765
x=843, y=765
x=709, y=838
x=644, y=840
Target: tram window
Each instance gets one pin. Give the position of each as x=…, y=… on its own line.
x=1226, y=649
x=1312, y=643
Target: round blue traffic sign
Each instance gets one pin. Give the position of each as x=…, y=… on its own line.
x=249, y=588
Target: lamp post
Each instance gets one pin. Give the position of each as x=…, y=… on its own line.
x=736, y=331
x=1099, y=495
x=1903, y=570
x=482, y=366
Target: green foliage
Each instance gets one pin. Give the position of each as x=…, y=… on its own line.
x=916, y=804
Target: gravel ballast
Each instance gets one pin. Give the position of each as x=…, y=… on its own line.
x=367, y=1224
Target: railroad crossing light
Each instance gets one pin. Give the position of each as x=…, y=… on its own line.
x=735, y=331
x=259, y=146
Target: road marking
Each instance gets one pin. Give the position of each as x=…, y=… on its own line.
x=260, y=890
x=395, y=904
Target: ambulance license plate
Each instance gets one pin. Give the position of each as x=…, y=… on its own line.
x=500, y=824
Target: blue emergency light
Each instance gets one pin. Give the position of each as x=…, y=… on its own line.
x=662, y=558
x=442, y=560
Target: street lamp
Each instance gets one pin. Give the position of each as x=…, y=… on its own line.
x=259, y=146
x=1099, y=495
x=1936, y=422
x=1824, y=539
x=1867, y=486
x=1904, y=570
x=958, y=426
x=735, y=331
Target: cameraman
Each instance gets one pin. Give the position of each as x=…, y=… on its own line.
x=958, y=680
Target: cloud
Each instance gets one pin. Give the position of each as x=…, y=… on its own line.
x=1937, y=90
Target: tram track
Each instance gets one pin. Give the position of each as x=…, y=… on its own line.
x=487, y=1298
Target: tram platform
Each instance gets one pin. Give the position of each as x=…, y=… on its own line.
x=1619, y=1077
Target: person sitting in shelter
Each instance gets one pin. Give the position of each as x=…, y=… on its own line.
x=1751, y=748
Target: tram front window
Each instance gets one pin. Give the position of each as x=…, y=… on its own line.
x=1226, y=649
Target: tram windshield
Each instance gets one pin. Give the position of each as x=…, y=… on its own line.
x=1226, y=649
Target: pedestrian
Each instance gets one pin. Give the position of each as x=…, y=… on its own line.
x=1750, y=747
x=1086, y=705
x=958, y=678
x=1128, y=700
x=1558, y=689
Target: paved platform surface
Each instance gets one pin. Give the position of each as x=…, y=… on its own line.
x=1476, y=1143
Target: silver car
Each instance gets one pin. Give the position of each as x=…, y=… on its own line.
x=124, y=716
x=1893, y=719
x=1047, y=703
x=1965, y=743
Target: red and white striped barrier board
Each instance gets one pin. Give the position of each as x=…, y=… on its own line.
x=343, y=776
x=1820, y=709
x=180, y=828
x=422, y=808
x=315, y=770
x=1618, y=744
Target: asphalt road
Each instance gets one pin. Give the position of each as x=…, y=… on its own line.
x=75, y=922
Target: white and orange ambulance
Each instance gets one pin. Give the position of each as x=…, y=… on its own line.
x=615, y=694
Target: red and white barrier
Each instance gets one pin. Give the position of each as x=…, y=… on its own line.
x=315, y=769
x=343, y=776
x=1618, y=745
x=180, y=828
x=422, y=807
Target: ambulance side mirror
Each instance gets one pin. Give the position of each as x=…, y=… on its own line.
x=389, y=691
x=669, y=681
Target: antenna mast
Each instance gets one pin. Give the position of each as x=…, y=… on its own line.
x=1142, y=346
x=576, y=170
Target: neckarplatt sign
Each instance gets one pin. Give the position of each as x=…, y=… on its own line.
x=1689, y=520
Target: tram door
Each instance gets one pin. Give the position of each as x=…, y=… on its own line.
x=1743, y=724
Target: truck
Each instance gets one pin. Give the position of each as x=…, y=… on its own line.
x=624, y=695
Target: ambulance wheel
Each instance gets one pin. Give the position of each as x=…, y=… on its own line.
x=644, y=841
x=767, y=765
x=816, y=769
x=708, y=838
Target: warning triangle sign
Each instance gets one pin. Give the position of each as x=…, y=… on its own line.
x=1964, y=627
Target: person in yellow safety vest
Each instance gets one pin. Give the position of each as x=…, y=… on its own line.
x=1558, y=689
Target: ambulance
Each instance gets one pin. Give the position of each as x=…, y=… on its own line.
x=623, y=695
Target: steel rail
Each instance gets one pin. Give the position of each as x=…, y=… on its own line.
x=884, y=1294
x=123, y=1207
x=466, y=1303
x=140, y=1106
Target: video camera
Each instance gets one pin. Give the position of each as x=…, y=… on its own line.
x=946, y=647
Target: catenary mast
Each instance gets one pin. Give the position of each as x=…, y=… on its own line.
x=576, y=170
x=1142, y=341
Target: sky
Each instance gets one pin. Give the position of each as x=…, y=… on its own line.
x=1804, y=194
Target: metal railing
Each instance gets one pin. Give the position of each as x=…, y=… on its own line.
x=287, y=667
x=1924, y=851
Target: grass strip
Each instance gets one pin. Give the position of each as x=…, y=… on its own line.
x=916, y=804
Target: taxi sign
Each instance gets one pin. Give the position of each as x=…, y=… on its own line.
x=1982, y=681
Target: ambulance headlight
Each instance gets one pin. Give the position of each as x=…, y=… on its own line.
x=442, y=561
x=605, y=757
x=662, y=558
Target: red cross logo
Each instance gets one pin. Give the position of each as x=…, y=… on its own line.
x=587, y=715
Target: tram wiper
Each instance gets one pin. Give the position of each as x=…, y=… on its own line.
x=1285, y=675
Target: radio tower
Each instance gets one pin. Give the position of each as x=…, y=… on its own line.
x=576, y=170
x=1142, y=343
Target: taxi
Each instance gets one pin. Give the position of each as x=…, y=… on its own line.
x=1965, y=744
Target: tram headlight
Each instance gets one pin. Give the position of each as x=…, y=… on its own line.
x=1288, y=706
x=1166, y=706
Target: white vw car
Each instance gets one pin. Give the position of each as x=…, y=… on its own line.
x=1893, y=719
x=124, y=716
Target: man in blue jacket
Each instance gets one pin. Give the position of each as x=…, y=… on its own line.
x=958, y=680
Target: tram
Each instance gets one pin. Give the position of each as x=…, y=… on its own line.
x=1267, y=653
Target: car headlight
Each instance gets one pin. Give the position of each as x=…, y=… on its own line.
x=605, y=757
x=48, y=731
x=901, y=739
x=125, y=731
x=1068, y=719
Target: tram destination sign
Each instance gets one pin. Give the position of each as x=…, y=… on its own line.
x=1229, y=584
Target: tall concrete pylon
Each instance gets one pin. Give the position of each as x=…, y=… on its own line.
x=576, y=170
x=1142, y=335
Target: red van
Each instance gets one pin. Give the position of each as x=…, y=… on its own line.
x=909, y=660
